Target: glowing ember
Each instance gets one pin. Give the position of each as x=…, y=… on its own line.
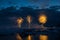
x=42, y=19
x=43, y=37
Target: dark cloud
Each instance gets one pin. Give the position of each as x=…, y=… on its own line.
x=19, y=3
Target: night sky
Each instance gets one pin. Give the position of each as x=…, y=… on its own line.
x=8, y=19
x=32, y=3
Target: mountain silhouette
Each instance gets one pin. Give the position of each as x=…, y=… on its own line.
x=53, y=16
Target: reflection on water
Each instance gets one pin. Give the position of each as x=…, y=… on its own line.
x=43, y=37
x=18, y=37
x=29, y=37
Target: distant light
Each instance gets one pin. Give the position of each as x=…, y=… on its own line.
x=42, y=18
x=43, y=37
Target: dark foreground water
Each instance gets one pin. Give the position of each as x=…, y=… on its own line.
x=8, y=37
x=45, y=35
x=29, y=37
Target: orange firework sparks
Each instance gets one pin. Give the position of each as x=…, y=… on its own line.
x=19, y=21
x=42, y=19
x=29, y=19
